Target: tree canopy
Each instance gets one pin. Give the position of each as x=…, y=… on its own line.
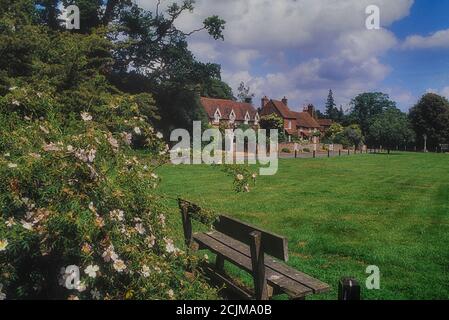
x=430, y=116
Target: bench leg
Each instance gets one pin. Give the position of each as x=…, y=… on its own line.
x=219, y=263
x=258, y=266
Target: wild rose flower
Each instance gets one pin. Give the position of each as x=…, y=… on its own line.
x=51, y=147
x=99, y=222
x=3, y=244
x=119, y=265
x=92, y=270
x=10, y=222
x=159, y=135
x=86, y=116
x=12, y=165
x=113, y=142
x=117, y=215
x=145, y=271
x=80, y=286
x=246, y=188
x=16, y=103
x=86, y=248
x=95, y=294
x=127, y=138
x=12, y=88
x=137, y=131
x=151, y=240
x=140, y=229
x=109, y=254
x=92, y=207
x=239, y=177
x=169, y=245
x=171, y=294
x=27, y=225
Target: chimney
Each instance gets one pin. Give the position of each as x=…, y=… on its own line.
x=310, y=109
x=285, y=101
x=265, y=100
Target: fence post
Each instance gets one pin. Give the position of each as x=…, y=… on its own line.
x=349, y=152
x=328, y=153
x=314, y=154
x=296, y=154
x=348, y=289
x=339, y=152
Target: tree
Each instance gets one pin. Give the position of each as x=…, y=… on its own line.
x=331, y=109
x=273, y=121
x=390, y=130
x=334, y=130
x=218, y=89
x=430, y=116
x=244, y=94
x=367, y=105
x=350, y=136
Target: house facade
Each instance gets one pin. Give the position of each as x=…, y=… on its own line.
x=303, y=124
x=232, y=112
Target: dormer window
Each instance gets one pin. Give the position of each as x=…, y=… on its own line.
x=232, y=117
x=247, y=118
x=217, y=116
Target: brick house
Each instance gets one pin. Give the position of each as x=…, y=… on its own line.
x=233, y=112
x=296, y=124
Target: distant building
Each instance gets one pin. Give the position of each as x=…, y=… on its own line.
x=233, y=112
x=299, y=124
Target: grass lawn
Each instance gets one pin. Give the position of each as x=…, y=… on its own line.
x=341, y=215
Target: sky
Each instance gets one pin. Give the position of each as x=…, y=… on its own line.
x=302, y=48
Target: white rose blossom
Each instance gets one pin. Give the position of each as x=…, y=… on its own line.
x=92, y=270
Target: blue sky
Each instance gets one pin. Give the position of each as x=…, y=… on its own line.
x=303, y=48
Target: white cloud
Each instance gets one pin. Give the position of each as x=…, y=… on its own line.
x=439, y=39
x=298, y=48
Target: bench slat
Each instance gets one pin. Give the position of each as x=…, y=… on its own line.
x=304, y=279
x=277, y=280
x=272, y=244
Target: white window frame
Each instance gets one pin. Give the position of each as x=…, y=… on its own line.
x=217, y=116
x=256, y=119
x=247, y=117
x=232, y=117
x=289, y=124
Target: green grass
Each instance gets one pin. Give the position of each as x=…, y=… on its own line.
x=342, y=214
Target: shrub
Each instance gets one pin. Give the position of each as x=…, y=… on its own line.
x=306, y=150
x=286, y=150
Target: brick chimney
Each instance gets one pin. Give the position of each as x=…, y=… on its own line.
x=310, y=109
x=265, y=100
x=285, y=101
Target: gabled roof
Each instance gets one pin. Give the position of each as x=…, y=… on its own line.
x=226, y=106
x=305, y=120
x=283, y=109
x=325, y=122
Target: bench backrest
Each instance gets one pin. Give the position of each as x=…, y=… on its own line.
x=272, y=244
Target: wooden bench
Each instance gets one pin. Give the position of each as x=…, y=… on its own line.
x=254, y=250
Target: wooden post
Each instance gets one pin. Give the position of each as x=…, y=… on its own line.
x=349, y=152
x=348, y=289
x=296, y=154
x=339, y=152
x=258, y=266
x=314, y=154
x=186, y=222
x=219, y=263
x=328, y=153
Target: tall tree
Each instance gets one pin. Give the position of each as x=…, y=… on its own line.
x=367, y=105
x=390, y=129
x=244, y=94
x=430, y=116
x=331, y=109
